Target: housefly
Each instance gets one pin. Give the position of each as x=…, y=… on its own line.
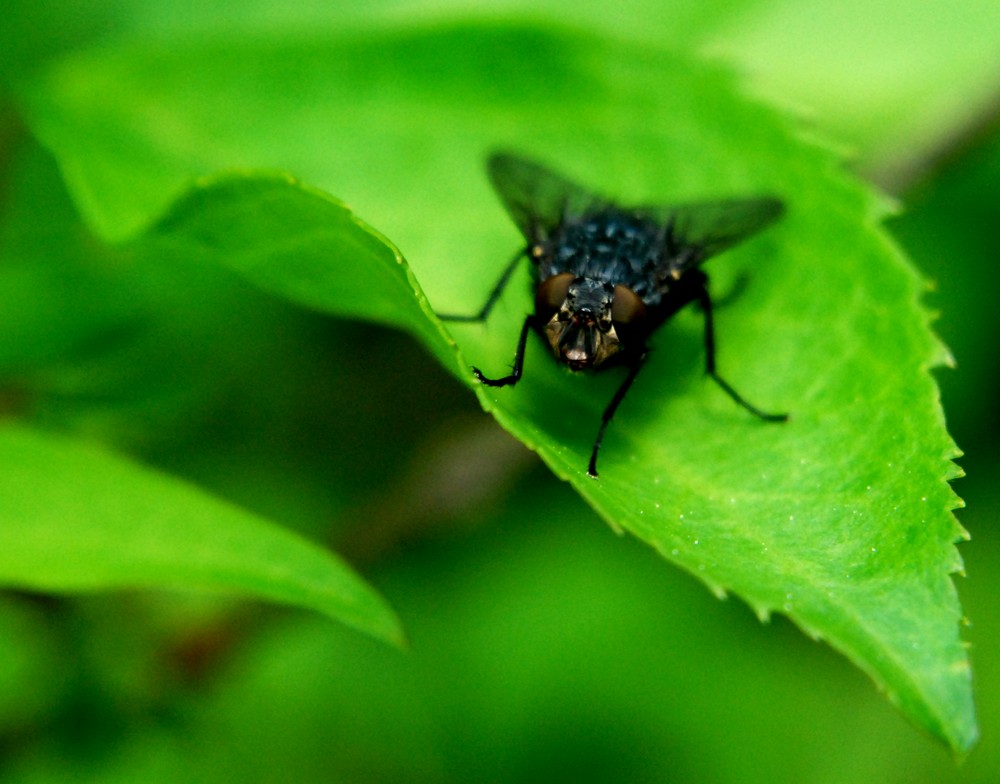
x=605, y=277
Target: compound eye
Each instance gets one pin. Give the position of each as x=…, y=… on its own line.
x=627, y=307
x=552, y=292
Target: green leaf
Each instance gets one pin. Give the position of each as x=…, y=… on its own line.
x=899, y=91
x=74, y=517
x=298, y=242
x=840, y=518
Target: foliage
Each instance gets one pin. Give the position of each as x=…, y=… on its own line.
x=175, y=150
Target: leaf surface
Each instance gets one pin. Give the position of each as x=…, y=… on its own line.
x=840, y=518
x=75, y=517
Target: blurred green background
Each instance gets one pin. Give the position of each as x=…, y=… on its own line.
x=542, y=645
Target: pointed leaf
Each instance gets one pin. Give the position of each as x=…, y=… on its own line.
x=75, y=517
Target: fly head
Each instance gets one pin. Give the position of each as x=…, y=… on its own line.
x=588, y=321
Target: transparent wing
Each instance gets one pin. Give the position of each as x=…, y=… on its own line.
x=697, y=231
x=537, y=199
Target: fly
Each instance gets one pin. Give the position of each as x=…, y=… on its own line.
x=605, y=277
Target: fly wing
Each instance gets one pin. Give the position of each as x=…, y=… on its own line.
x=695, y=232
x=537, y=199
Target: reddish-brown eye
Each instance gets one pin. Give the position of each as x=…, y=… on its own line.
x=552, y=292
x=627, y=307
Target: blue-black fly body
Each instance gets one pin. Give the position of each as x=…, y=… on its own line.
x=605, y=277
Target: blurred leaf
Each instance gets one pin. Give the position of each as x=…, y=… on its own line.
x=296, y=241
x=840, y=519
x=189, y=366
x=77, y=518
x=57, y=284
x=32, y=672
x=896, y=90
x=540, y=652
x=110, y=337
x=34, y=32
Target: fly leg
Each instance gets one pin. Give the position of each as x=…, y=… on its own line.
x=484, y=313
x=705, y=301
x=515, y=374
x=491, y=300
x=609, y=412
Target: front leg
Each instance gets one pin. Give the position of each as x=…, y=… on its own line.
x=491, y=300
x=609, y=412
x=515, y=375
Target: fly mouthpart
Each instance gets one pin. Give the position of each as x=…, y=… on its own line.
x=577, y=341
